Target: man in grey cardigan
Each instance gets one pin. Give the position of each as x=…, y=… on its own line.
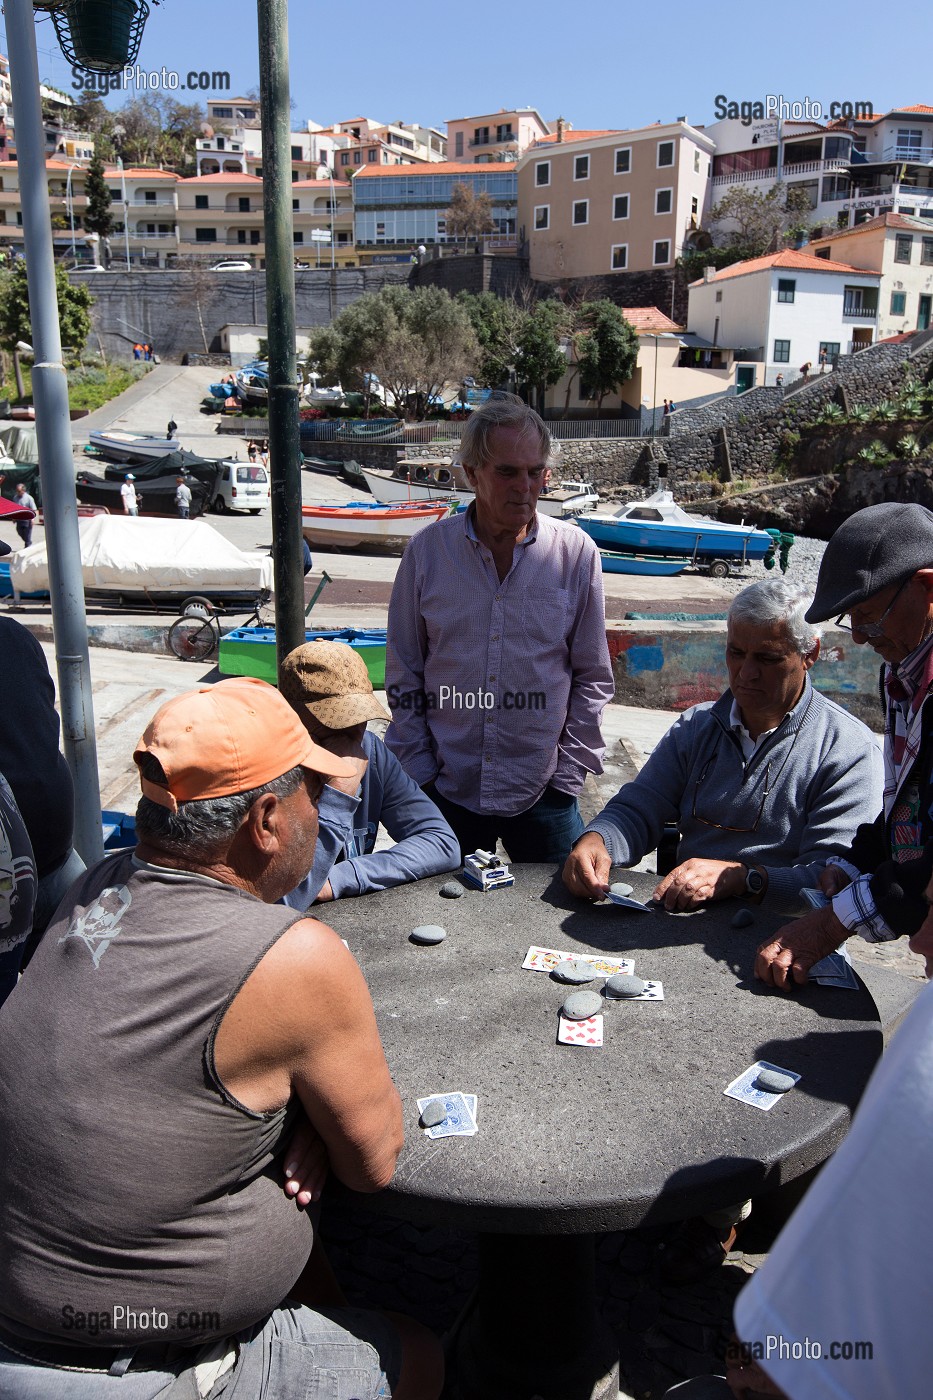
x=765, y=784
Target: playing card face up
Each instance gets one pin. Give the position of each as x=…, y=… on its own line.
x=654, y=991
x=588, y=1032
x=461, y=1115
x=546, y=959
x=743, y=1087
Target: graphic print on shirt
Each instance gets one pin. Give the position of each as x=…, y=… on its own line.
x=98, y=925
x=15, y=872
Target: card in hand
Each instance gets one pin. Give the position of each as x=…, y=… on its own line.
x=460, y=1120
x=546, y=959
x=588, y=1032
x=624, y=902
x=834, y=971
x=743, y=1090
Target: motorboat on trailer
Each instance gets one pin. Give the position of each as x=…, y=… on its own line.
x=658, y=528
x=430, y=480
x=118, y=445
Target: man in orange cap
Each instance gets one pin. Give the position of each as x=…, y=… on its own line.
x=173, y=1025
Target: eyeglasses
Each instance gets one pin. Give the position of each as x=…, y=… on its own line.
x=872, y=629
x=724, y=826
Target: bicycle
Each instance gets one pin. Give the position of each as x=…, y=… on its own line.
x=195, y=636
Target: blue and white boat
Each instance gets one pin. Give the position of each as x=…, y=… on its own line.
x=658, y=526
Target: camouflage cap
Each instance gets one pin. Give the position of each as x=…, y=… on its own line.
x=330, y=680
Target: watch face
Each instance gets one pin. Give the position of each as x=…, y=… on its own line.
x=754, y=882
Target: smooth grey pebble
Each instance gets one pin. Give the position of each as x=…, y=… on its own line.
x=572, y=971
x=620, y=887
x=773, y=1083
x=622, y=984
x=580, y=1005
x=452, y=890
x=433, y=1113
x=743, y=919
x=428, y=933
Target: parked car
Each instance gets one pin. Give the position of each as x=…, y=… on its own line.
x=233, y=265
x=241, y=486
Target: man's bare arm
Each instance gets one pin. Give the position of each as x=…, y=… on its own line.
x=304, y=1023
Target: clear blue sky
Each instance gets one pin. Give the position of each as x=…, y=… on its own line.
x=599, y=64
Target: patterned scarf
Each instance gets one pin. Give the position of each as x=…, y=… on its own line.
x=908, y=684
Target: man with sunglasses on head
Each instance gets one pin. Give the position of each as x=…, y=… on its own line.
x=765, y=784
x=876, y=579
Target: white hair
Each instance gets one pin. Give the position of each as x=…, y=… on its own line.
x=775, y=600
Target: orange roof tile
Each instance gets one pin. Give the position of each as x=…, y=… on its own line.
x=789, y=258
x=648, y=319
x=443, y=167
x=552, y=139
x=917, y=107
x=219, y=177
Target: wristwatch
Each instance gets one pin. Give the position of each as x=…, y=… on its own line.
x=755, y=882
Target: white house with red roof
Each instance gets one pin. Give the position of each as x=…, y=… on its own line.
x=781, y=311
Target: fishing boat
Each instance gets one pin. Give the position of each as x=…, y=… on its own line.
x=320, y=395
x=327, y=466
x=119, y=445
x=658, y=526
x=250, y=651
x=426, y=480
x=661, y=565
x=369, y=523
x=252, y=385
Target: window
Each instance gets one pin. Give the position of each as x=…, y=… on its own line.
x=926, y=250
x=543, y=172
x=662, y=252
x=481, y=136
x=832, y=348
x=903, y=242
x=619, y=257
x=543, y=216
x=200, y=201
x=835, y=187
x=663, y=201
x=296, y=153
x=205, y=235
x=782, y=352
x=620, y=206
x=787, y=286
x=581, y=168
x=243, y=203
x=665, y=153
x=297, y=236
x=372, y=154
x=357, y=158
x=623, y=160
x=719, y=294
x=909, y=143
x=294, y=206
x=116, y=196
x=458, y=144
x=294, y=177
x=823, y=253
x=696, y=162
x=581, y=211
x=694, y=206
x=898, y=303
x=344, y=157
x=836, y=147
x=504, y=132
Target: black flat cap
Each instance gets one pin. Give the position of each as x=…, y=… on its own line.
x=876, y=547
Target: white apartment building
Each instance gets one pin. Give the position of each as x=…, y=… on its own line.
x=901, y=249
x=778, y=312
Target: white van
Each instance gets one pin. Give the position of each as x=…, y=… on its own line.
x=242, y=486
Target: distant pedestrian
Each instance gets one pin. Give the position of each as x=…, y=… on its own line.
x=252, y=451
x=183, y=498
x=128, y=495
x=805, y=370
x=822, y=360
x=780, y=379
x=137, y=352
x=667, y=408
x=172, y=428
x=672, y=408
x=147, y=352
x=24, y=527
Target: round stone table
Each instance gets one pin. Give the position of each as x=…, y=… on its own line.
x=574, y=1141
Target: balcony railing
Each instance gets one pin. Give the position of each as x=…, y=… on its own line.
x=856, y=311
x=150, y=203
x=509, y=139
x=744, y=177
x=919, y=155
x=142, y=234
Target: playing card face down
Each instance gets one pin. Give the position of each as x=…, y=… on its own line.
x=461, y=1115
x=743, y=1088
x=588, y=1032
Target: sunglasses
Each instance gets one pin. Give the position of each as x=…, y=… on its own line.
x=872, y=629
x=724, y=826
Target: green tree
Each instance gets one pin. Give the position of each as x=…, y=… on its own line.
x=417, y=342
x=470, y=213
x=757, y=224
x=541, y=360
x=606, y=352
x=98, y=218
x=497, y=324
x=158, y=129
x=74, y=319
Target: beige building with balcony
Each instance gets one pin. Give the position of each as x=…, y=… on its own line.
x=495, y=136
x=591, y=203
x=221, y=216
x=901, y=249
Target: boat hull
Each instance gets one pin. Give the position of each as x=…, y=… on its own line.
x=699, y=543
x=660, y=567
x=250, y=651
x=389, y=528
x=446, y=482
x=132, y=447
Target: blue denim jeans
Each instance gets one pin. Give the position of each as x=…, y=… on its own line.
x=544, y=834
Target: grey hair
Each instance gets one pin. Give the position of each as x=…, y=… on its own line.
x=776, y=600
x=199, y=827
x=502, y=411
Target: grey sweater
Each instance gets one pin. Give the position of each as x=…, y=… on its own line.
x=797, y=801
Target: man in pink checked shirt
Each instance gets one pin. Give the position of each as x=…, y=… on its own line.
x=877, y=572
x=497, y=666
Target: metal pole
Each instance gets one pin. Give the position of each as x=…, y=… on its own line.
x=53, y=431
x=126, y=213
x=71, y=209
x=284, y=449
x=654, y=396
x=333, y=211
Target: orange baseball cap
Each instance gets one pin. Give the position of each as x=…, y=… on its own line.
x=228, y=738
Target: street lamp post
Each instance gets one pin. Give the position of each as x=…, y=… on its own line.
x=69, y=202
x=333, y=210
